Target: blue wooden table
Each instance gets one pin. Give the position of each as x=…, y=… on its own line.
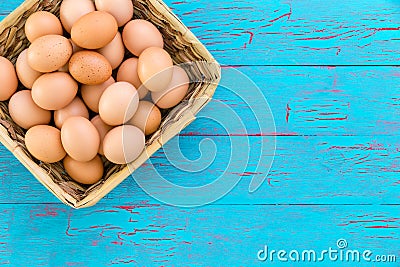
x=329, y=71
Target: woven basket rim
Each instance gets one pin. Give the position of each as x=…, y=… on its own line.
x=185, y=118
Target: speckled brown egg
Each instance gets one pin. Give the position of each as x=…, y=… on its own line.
x=75, y=49
x=54, y=91
x=94, y=30
x=42, y=23
x=84, y=172
x=8, y=79
x=75, y=108
x=49, y=53
x=89, y=67
x=44, y=143
x=26, y=75
x=25, y=112
x=91, y=94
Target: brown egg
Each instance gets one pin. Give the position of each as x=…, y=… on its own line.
x=124, y=144
x=118, y=103
x=94, y=30
x=25, y=112
x=139, y=35
x=114, y=52
x=84, y=172
x=73, y=10
x=155, y=69
x=8, y=79
x=54, y=91
x=147, y=117
x=91, y=94
x=75, y=108
x=26, y=75
x=127, y=72
x=42, y=23
x=122, y=10
x=103, y=129
x=175, y=92
x=80, y=139
x=49, y=53
x=89, y=67
x=44, y=143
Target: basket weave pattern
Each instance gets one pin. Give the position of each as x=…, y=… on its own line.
x=182, y=45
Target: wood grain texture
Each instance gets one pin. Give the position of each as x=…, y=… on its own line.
x=311, y=170
x=305, y=101
x=289, y=32
x=153, y=235
x=335, y=173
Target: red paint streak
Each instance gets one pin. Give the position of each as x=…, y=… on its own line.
x=245, y=46
x=247, y=173
x=94, y=243
x=385, y=29
x=197, y=10
x=332, y=119
x=288, y=109
x=49, y=212
x=251, y=36
x=178, y=3
x=117, y=243
x=338, y=51
x=371, y=221
x=284, y=15
x=69, y=225
x=284, y=134
x=381, y=226
x=376, y=146
x=325, y=37
x=246, y=135
x=269, y=181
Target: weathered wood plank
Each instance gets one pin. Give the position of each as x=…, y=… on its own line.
x=305, y=101
x=311, y=170
x=291, y=32
x=295, y=32
x=152, y=235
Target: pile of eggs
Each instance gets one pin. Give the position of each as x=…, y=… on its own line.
x=83, y=97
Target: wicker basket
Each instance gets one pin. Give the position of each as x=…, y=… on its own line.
x=202, y=68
